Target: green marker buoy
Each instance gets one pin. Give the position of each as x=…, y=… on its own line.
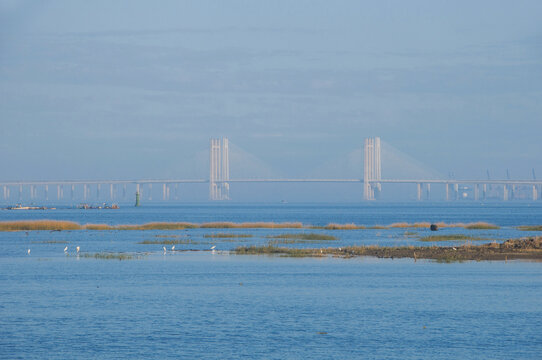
x=137, y=199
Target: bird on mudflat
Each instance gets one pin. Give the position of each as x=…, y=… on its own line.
x=213, y=247
x=66, y=249
x=173, y=248
x=165, y=250
x=77, y=248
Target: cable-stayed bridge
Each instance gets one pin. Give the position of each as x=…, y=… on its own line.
x=219, y=182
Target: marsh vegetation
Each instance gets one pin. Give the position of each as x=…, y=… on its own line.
x=451, y=237
x=525, y=248
x=58, y=225
x=530, y=228
x=227, y=236
x=108, y=256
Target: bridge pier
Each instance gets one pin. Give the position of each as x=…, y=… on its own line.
x=535, y=193
x=505, y=192
x=164, y=191
x=476, y=192
x=111, y=194
x=150, y=192
x=484, y=191
x=428, y=191
x=419, y=197
x=124, y=191
x=98, y=186
x=46, y=192
x=5, y=192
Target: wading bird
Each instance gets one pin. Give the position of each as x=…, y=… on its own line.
x=164, y=249
x=66, y=249
x=213, y=247
x=77, y=248
x=28, y=251
x=173, y=248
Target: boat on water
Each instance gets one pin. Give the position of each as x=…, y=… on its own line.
x=21, y=207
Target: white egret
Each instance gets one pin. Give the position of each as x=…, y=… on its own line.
x=164, y=249
x=28, y=251
x=66, y=249
x=213, y=247
x=173, y=248
x=77, y=248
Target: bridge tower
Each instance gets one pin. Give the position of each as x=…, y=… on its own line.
x=219, y=169
x=371, y=168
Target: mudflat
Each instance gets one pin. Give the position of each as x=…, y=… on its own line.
x=524, y=248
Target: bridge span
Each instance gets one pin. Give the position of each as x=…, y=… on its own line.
x=219, y=182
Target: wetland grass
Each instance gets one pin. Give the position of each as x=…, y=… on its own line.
x=158, y=226
x=251, y=225
x=227, y=236
x=98, y=227
x=530, y=228
x=56, y=225
x=425, y=225
x=525, y=248
x=334, y=226
x=108, y=256
x=450, y=237
x=481, y=226
x=303, y=236
x=168, y=242
x=30, y=225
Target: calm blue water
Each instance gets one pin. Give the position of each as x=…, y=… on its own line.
x=215, y=305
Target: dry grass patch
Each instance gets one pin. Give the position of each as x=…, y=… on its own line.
x=410, y=225
x=98, y=227
x=30, y=225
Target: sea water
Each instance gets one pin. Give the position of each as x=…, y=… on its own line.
x=212, y=304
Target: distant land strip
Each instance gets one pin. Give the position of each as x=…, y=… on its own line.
x=59, y=225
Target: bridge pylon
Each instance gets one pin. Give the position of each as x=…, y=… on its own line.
x=372, y=173
x=219, y=169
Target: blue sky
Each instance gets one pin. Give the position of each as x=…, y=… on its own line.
x=124, y=89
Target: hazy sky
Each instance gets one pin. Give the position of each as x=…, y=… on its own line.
x=124, y=89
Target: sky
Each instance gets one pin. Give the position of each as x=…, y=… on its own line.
x=135, y=89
